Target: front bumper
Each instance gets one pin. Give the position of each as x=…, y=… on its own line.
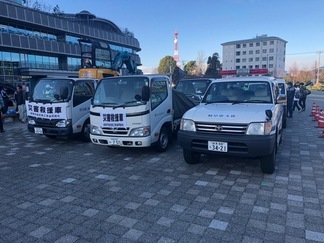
x=121, y=141
x=53, y=131
x=238, y=145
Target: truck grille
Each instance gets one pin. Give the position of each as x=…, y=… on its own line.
x=221, y=128
x=115, y=131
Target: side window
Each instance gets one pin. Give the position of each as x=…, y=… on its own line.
x=82, y=92
x=159, y=92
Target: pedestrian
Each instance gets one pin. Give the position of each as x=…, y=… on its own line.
x=296, y=98
x=5, y=98
x=302, y=96
x=290, y=99
x=1, y=105
x=21, y=97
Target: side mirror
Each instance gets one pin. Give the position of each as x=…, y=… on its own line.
x=146, y=93
x=268, y=114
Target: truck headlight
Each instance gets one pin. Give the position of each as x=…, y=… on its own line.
x=259, y=128
x=31, y=121
x=187, y=125
x=95, y=130
x=63, y=123
x=140, y=132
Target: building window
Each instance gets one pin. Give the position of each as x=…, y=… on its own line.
x=251, y=59
x=243, y=59
x=237, y=67
x=244, y=45
x=250, y=66
x=243, y=52
x=250, y=52
x=271, y=42
x=256, y=66
x=237, y=60
x=251, y=45
x=271, y=50
x=264, y=51
x=271, y=58
x=270, y=65
x=264, y=58
x=257, y=44
x=238, y=53
x=243, y=66
x=238, y=46
x=264, y=66
x=257, y=59
x=257, y=51
x=264, y=43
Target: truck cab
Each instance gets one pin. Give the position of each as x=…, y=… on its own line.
x=60, y=107
x=238, y=116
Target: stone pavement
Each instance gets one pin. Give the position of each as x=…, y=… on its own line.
x=66, y=191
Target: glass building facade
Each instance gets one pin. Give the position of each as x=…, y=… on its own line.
x=36, y=44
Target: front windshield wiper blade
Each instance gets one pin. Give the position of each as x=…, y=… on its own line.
x=126, y=103
x=258, y=101
x=219, y=101
x=41, y=101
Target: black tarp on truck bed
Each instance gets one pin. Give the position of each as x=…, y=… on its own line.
x=181, y=103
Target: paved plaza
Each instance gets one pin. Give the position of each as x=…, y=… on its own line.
x=64, y=191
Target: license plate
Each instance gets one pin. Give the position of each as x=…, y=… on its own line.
x=113, y=141
x=38, y=130
x=217, y=146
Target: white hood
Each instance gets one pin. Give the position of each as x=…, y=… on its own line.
x=231, y=113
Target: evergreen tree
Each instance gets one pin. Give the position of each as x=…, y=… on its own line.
x=165, y=64
x=213, y=66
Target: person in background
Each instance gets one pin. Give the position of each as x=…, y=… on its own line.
x=302, y=97
x=1, y=105
x=290, y=99
x=5, y=98
x=21, y=97
x=296, y=98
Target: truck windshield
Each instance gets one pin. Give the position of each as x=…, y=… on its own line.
x=120, y=91
x=239, y=92
x=52, y=90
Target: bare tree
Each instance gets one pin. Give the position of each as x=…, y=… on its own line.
x=293, y=72
x=200, y=65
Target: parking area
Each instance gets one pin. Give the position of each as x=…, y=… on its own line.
x=58, y=190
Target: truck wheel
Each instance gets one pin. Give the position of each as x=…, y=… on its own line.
x=268, y=163
x=284, y=122
x=191, y=157
x=163, y=142
x=85, y=132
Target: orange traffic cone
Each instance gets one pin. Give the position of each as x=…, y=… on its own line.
x=314, y=109
x=320, y=123
x=317, y=114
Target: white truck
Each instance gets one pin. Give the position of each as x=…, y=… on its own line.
x=60, y=107
x=238, y=116
x=136, y=111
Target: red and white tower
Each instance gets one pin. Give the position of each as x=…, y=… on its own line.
x=176, y=51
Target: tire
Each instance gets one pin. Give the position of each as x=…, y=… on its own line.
x=85, y=132
x=284, y=122
x=268, y=163
x=191, y=157
x=163, y=141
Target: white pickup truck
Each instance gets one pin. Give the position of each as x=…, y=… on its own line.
x=238, y=116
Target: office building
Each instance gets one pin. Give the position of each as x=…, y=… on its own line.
x=257, y=53
x=35, y=44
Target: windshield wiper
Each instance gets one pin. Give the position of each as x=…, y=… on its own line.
x=258, y=101
x=219, y=101
x=126, y=103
